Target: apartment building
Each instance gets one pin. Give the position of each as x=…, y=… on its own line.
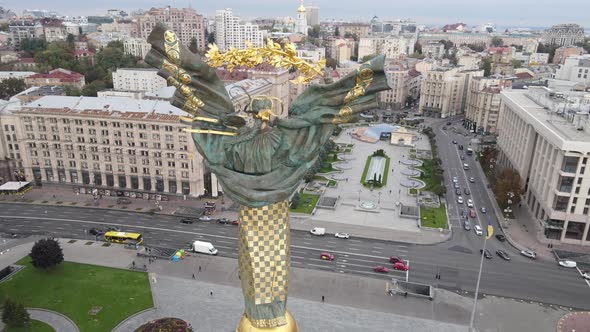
x=186, y=22
x=56, y=77
x=394, y=47
x=443, y=91
x=138, y=79
x=434, y=50
x=482, y=108
x=138, y=47
x=403, y=82
x=230, y=33
x=564, y=52
x=24, y=30
x=545, y=136
x=575, y=69
x=564, y=35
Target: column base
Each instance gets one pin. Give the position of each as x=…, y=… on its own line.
x=246, y=326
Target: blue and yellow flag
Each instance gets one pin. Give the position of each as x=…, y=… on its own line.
x=490, y=229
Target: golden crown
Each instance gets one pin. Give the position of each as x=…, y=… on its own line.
x=271, y=53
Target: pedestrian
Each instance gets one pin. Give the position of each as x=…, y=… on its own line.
x=199, y=268
x=193, y=276
x=322, y=298
x=133, y=263
x=211, y=293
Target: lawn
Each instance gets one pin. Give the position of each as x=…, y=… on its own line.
x=434, y=218
x=306, y=208
x=34, y=325
x=331, y=183
x=430, y=179
x=74, y=289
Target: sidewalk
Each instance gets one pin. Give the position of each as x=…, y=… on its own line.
x=63, y=195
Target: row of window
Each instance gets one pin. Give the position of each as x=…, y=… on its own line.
x=109, y=168
x=128, y=125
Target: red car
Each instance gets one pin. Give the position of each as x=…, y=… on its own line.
x=326, y=256
x=381, y=269
x=235, y=222
x=472, y=213
x=400, y=266
x=394, y=260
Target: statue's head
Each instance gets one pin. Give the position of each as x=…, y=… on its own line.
x=261, y=107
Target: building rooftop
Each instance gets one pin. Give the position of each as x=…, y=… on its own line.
x=63, y=75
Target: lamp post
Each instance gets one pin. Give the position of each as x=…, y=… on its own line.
x=477, y=285
x=359, y=195
x=379, y=201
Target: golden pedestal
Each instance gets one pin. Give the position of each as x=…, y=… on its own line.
x=245, y=326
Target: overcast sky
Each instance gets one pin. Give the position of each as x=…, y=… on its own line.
x=525, y=13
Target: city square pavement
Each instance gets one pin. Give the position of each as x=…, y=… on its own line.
x=351, y=303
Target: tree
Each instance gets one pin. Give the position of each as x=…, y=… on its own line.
x=71, y=39
x=193, y=45
x=295, y=201
x=448, y=44
x=11, y=86
x=331, y=62
x=33, y=45
x=418, y=47
x=91, y=90
x=477, y=47
x=351, y=35
x=409, y=100
x=72, y=91
x=486, y=65
x=55, y=56
x=507, y=187
x=314, y=31
x=497, y=41
x=46, y=254
x=337, y=32
x=15, y=314
x=516, y=63
x=367, y=57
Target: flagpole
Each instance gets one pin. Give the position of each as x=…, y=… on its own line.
x=479, y=277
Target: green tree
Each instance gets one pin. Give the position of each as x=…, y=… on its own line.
x=91, y=90
x=33, y=45
x=70, y=40
x=476, y=47
x=295, y=201
x=516, y=63
x=337, y=32
x=72, y=91
x=4, y=27
x=11, y=86
x=418, y=47
x=314, y=31
x=486, y=65
x=331, y=62
x=46, y=254
x=351, y=35
x=497, y=41
x=507, y=181
x=193, y=45
x=211, y=38
x=448, y=44
x=15, y=314
x=55, y=56
x=367, y=57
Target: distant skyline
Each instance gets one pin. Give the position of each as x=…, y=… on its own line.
x=521, y=13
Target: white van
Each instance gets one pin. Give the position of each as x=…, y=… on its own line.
x=204, y=248
x=466, y=167
x=318, y=231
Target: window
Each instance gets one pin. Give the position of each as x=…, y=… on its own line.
x=170, y=146
x=156, y=137
x=172, y=173
x=133, y=169
x=72, y=163
x=146, y=170
x=184, y=174
x=141, y=126
x=157, y=146
x=128, y=125
x=184, y=165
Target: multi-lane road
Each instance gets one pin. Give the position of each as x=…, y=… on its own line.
x=456, y=261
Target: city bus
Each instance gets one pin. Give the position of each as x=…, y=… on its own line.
x=124, y=237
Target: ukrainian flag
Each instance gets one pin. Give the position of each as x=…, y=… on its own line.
x=490, y=229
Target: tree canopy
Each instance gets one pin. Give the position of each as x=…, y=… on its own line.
x=11, y=86
x=507, y=187
x=497, y=41
x=46, y=253
x=14, y=314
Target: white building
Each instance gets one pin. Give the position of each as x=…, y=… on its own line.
x=394, y=47
x=301, y=21
x=138, y=79
x=434, y=50
x=24, y=30
x=138, y=47
x=563, y=35
x=538, y=59
x=229, y=32
x=312, y=15
x=311, y=54
x=545, y=136
x=482, y=109
x=574, y=68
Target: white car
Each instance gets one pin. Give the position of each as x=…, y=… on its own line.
x=470, y=202
x=472, y=179
x=566, y=263
x=342, y=235
x=529, y=253
x=455, y=179
x=483, y=209
x=586, y=275
x=205, y=218
x=460, y=200
x=478, y=230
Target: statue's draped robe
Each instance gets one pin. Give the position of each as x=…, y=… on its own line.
x=260, y=168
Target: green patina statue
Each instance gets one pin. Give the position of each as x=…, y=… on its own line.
x=260, y=164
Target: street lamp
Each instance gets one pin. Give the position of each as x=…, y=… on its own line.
x=379, y=201
x=359, y=195
x=477, y=285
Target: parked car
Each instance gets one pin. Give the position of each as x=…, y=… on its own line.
x=460, y=200
x=462, y=157
x=586, y=275
x=483, y=209
x=500, y=237
x=400, y=266
x=113, y=229
x=205, y=218
x=472, y=179
x=455, y=179
x=326, y=256
x=381, y=269
x=224, y=221
x=504, y=255
x=394, y=260
x=472, y=213
x=466, y=191
x=486, y=254
x=342, y=235
x=458, y=191
x=186, y=221
x=567, y=263
x=95, y=231
x=529, y=253
x=470, y=203
x=478, y=230
x=444, y=128
x=467, y=225
x=235, y=222
x=123, y=200
x=454, y=142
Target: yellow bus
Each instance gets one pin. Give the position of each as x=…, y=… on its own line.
x=123, y=237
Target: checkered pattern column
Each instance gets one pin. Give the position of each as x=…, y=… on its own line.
x=264, y=262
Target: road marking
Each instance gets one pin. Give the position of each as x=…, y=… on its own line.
x=375, y=251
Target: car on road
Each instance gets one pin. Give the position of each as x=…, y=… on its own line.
x=568, y=263
x=205, y=218
x=460, y=199
x=462, y=157
x=318, y=231
x=458, y=191
x=448, y=123
x=394, y=260
x=123, y=200
x=454, y=142
x=456, y=185
x=113, y=229
x=472, y=213
x=504, y=255
x=187, y=220
x=483, y=209
x=235, y=222
x=466, y=191
x=478, y=230
x=467, y=225
x=470, y=203
x=400, y=266
x=501, y=237
x=586, y=275
x=472, y=179
x=224, y=221
x=460, y=147
x=326, y=256
x=342, y=235
x=455, y=179
x=444, y=128
x=464, y=214
x=529, y=253
x=486, y=253
x=94, y=231
x=381, y=269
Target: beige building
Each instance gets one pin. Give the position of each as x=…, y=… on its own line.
x=565, y=51
x=138, y=47
x=138, y=79
x=545, y=136
x=393, y=47
x=231, y=33
x=186, y=22
x=341, y=49
x=434, y=50
x=403, y=82
x=443, y=91
x=482, y=108
x=130, y=29
x=352, y=28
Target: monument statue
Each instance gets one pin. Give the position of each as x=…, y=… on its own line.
x=260, y=163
